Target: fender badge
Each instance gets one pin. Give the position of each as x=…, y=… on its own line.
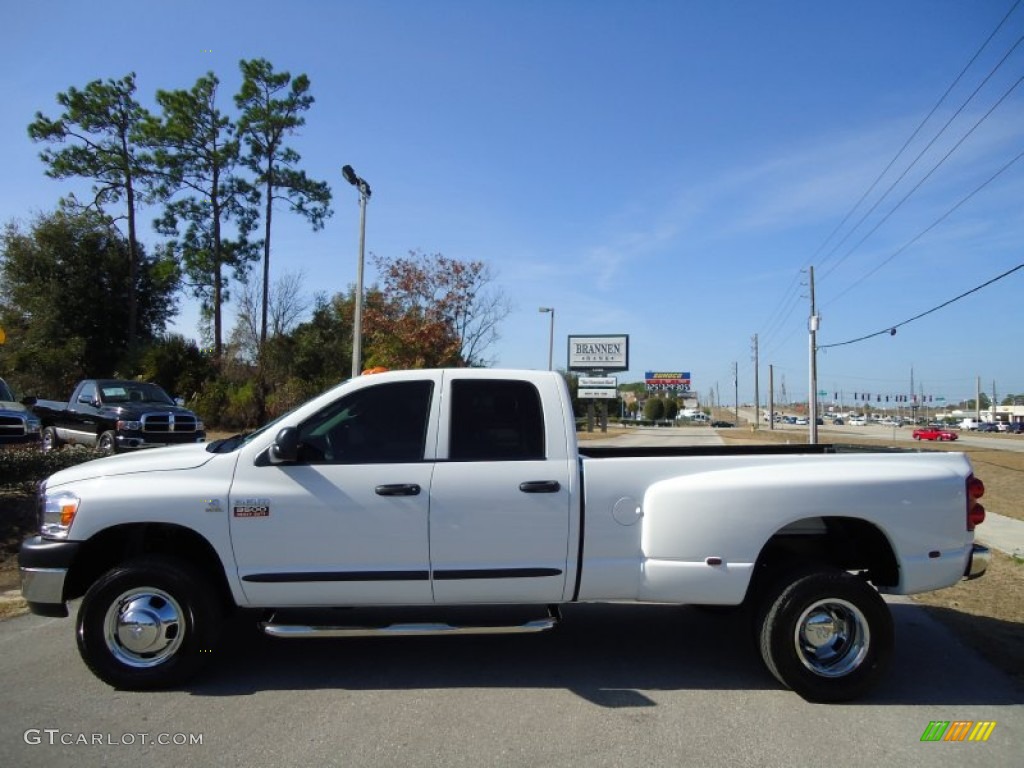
x=212, y=505
x=252, y=508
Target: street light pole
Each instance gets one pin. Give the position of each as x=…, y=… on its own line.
x=357, y=323
x=551, y=337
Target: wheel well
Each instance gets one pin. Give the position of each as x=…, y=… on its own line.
x=120, y=543
x=847, y=543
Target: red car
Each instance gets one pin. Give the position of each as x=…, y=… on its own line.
x=934, y=433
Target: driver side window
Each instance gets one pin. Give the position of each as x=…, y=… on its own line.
x=386, y=423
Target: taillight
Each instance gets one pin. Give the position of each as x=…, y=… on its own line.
x=975, y=512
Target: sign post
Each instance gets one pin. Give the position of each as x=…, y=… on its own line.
x=593, y=357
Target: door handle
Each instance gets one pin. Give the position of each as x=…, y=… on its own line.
x=540, y=486
x=398, y=489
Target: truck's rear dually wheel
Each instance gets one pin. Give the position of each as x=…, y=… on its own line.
x=826, y=634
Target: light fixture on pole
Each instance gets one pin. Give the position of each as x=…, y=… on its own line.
x=357, y=323
x=551, y=337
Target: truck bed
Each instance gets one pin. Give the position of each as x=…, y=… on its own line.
x=640, y=451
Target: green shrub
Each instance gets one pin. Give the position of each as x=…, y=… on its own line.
x=27, y=466
x=654, y=409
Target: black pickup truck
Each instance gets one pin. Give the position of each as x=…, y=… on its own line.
x=116, y=415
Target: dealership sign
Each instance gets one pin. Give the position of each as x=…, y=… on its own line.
x=599, y=353
x=597, y=393
x=660, y=381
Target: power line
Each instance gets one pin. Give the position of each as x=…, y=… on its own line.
x=891, y=330
x=927, y=176
x=910, y=139
x=790, y=297
x=927, y=229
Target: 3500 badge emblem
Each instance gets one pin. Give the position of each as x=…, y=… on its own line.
x=252, y=508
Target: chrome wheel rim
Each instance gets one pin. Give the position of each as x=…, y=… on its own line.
x=832, y=637
x=144, y=627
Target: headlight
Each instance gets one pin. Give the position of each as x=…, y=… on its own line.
x=130, y=426
x=199, y=426
x=58, y=513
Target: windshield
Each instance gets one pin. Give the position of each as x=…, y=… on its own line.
x=233, y=443
x=5, y=391
x=117, y=392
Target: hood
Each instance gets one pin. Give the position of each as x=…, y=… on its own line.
x=11, y=406
x=167, y=459
x=133, y=411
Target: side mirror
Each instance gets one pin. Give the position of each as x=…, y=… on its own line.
x=286, y=446
x=29, y=401
x=86, y=399
x=180, y=402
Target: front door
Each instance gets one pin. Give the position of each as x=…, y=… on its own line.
x=346, y=524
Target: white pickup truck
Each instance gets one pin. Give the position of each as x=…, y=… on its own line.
x=448, y=488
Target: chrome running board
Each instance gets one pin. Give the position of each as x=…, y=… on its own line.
x=405, y=630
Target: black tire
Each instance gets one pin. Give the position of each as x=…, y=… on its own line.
x=826, y=634
x=48, y=440
x=148, y=623
x=106, y=442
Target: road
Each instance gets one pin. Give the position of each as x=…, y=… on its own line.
x=614, y=685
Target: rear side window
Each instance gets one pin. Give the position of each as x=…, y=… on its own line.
x=494, y=419
x=88, y=391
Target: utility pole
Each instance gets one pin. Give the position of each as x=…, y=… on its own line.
x=977, y=399
x=913, y=398
x=736, y=393
x=757, y=393
x=771, y=396
x=812, y=394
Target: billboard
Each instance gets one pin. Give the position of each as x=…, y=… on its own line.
x=660, y=381
x=599, y=353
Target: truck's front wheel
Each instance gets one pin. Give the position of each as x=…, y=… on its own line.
x=827, y=634
x=49, y=440
x=106, y=442
x=148, y=623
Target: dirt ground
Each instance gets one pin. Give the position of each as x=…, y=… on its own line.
x=987, y=613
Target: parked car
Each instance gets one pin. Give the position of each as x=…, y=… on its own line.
x=987, y=426
x=722, y=424
x=1016, y=428
x=934, y=433
x=17, y=425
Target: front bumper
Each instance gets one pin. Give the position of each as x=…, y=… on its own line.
x=44, y=566
x=977, y=562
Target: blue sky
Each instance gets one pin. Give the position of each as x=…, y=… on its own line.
x=659, y=169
